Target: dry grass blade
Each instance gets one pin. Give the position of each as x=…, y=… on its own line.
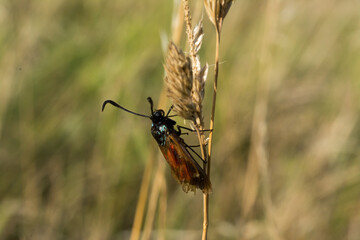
x=210, y=9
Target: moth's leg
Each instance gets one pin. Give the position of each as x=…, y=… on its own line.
x=193, y=146
x=190, y=147
x=192, y=130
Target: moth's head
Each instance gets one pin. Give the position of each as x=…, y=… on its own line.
x=157, y=116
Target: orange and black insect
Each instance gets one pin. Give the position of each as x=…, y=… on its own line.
x=183, y=166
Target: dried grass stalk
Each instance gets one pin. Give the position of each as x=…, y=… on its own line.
x=216, y=10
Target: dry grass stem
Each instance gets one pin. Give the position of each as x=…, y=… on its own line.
x=140, y=206
x=153, y=200
x=162, y=209
x=216, y=11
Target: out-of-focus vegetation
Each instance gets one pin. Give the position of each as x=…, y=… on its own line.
x=68, y=171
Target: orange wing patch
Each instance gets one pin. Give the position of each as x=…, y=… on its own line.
x=183, y=167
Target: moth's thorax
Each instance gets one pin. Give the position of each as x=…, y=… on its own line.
x=161, y=126
x=160, y=132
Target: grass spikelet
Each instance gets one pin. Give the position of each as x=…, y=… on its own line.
x=179, y=80
x=198, y=36
x=198, y=92
x=217, y=10
x=184, y=89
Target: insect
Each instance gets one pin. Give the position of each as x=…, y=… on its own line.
x=183, y=166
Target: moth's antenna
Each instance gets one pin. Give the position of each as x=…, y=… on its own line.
x=167, y=115
x=118, y=106
x=151, y=105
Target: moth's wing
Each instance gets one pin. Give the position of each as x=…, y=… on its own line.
x=183, y=166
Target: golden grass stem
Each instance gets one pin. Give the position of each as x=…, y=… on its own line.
x=140, y=206
x=206, y=215
x=153, y=200
x=200, y=136
x=212, y=122
x=212, y=119
x=162, y=209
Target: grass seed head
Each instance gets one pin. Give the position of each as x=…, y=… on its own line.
x=184, y=89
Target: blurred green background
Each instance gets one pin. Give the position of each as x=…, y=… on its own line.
x=68, y=171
